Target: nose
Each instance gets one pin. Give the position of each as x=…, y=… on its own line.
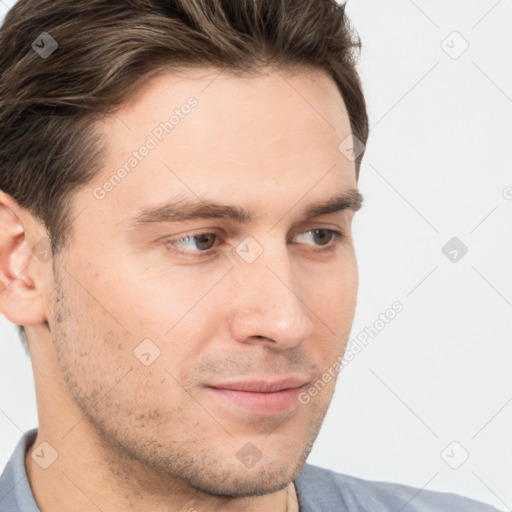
x=267, y=306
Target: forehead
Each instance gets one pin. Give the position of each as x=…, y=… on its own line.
x=200, y=131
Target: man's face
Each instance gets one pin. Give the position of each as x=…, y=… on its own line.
x=152, y=320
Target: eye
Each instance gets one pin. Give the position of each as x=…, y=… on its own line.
x=322, y=236
x=202, y=241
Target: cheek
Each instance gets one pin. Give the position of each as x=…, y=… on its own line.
x=151, y=296
x=333, y=290
x=334, y=304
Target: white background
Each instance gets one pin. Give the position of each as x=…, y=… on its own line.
x=437, y=165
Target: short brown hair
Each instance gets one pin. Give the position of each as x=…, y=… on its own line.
x=48, y=147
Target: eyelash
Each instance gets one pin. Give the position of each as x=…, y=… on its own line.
x=338, y=236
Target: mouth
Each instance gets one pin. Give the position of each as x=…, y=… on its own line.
x=259, y=397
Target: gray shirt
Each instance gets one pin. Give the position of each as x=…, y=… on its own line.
x=318, y=490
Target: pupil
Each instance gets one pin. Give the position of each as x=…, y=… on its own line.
x=201, y=239
x=325, y=233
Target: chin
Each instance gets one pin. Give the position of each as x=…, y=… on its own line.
x=245, y=482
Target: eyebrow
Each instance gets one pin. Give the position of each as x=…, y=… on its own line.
x=187, y=209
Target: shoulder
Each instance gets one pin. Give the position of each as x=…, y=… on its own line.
x=15, y=492
x=320, y=489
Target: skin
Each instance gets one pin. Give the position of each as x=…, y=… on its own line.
x=137, y=437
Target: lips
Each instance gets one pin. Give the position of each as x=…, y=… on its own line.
x=262, y=386
x=260, y=397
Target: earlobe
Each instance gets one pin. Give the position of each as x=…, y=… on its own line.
x=20, y=287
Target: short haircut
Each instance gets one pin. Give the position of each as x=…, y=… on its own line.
x=106, y=50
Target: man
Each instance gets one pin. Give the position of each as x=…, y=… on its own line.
x=178, y=184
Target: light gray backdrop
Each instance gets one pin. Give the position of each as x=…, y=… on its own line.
x=426, y=400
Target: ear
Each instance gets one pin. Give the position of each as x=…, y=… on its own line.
x=25, y=261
